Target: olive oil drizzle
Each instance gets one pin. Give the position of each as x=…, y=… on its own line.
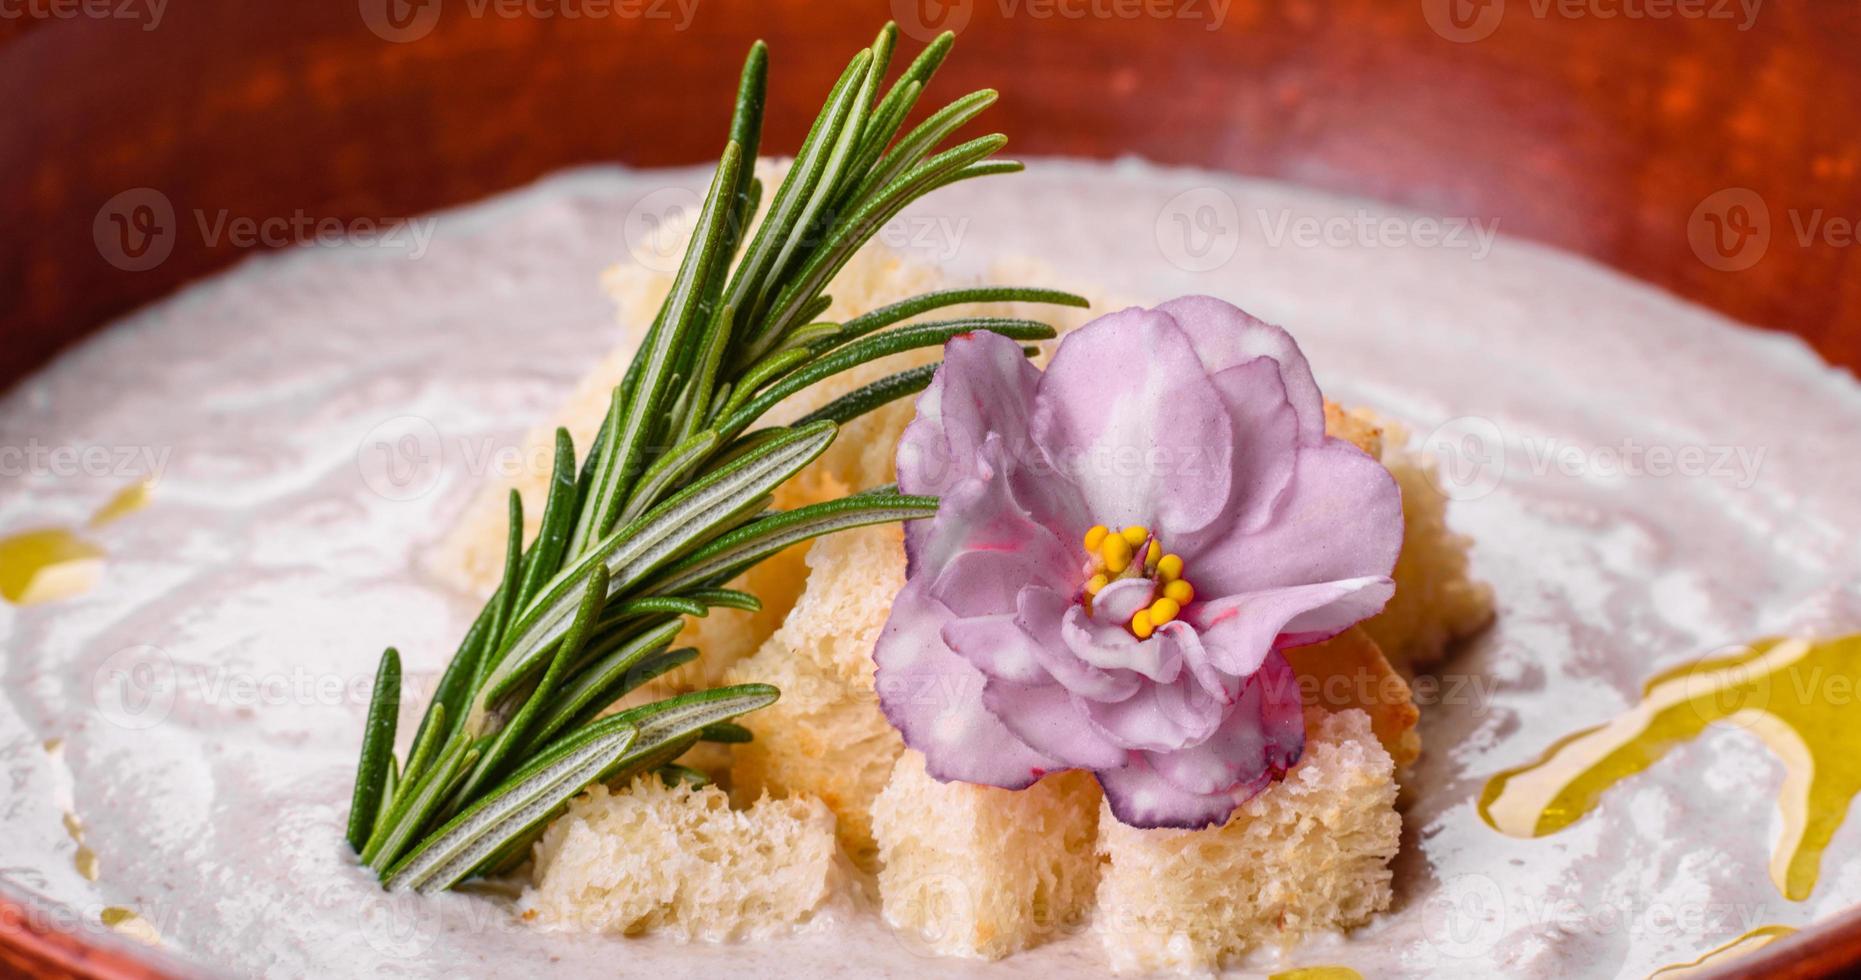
x=1800, y=697
x=49, y=564
x=1748, y=943
x=129, y=923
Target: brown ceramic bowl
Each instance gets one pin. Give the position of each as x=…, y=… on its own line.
x=1666, y=147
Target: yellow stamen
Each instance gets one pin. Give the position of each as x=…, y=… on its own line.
x=1170, y=568
x=1116, y=552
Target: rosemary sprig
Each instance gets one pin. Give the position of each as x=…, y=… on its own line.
x=672, y=500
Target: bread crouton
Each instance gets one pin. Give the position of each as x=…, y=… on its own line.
x=1436, y=601
x=826, y=737
x=1349, y=671
x=983, y=872
x=679, y=861
x=1309, y=854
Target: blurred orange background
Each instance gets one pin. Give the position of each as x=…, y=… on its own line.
x=1651, y=135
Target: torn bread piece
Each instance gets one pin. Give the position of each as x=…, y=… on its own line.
x=1437, y=600
x=679, y=861
x=983, y=872
x=1309, y=854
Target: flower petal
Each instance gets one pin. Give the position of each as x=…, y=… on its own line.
x=1266, y=439
x=985, y=385
x=979, y=515
x=1127, y=410
x=1261, y=737
x=1195, y=655
x=985, y=582
x=1225, y=335
x=1159, y=717
x=1110, y=647
x=1115, y=603
x=934, y=698
x=1340, y=518
x=1139, y=797
x=1240, y=632
x=1052, y=721
x=1045, y=615
x=997, y=646
x=972, y=423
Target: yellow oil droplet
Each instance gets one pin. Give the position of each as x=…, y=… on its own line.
x=47, y=565
x=127, y=922
x=127, y=501
x=1750, y=942
x=50, y=564
x=86, y=862
x=1318, y=973
x=1797, y=696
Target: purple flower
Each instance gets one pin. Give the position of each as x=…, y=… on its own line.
x=1124, y=545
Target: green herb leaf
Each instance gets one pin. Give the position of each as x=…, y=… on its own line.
x=591, y=681
x=376, y=768
x=726, y=732
x=526, y=801
x=872, y=348
x=754, y=542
